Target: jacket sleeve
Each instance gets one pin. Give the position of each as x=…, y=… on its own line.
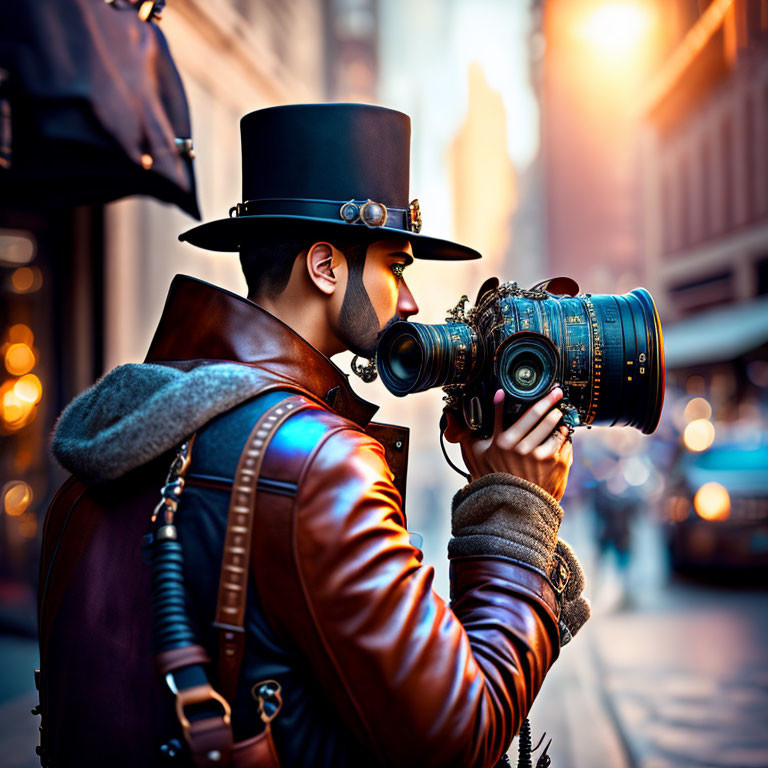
x=418, y=681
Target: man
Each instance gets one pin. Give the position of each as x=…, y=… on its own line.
x=373, y=668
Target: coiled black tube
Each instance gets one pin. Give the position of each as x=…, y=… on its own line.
x=524, y=745
x=171, y=627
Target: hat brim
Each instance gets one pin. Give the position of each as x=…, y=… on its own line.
x=230, y=234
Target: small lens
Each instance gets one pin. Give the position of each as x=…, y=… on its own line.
x=525, y=375
x=527, y=366
x=405, y=359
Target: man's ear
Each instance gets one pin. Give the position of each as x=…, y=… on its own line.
x=321, y=258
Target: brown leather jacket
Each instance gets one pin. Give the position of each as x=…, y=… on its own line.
x=382, y=670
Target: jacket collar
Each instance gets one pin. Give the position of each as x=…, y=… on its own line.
x=202, y=323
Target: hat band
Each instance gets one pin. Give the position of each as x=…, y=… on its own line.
x=366, y=213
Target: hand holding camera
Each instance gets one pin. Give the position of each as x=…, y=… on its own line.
x=533, y=447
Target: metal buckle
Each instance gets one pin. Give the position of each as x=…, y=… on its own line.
x=371, y=213
x=198, y=694
x=559, y=573
x=268, y=691
x=413, y=216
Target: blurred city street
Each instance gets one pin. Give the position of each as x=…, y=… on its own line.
x=677, y=675
x=617, y=143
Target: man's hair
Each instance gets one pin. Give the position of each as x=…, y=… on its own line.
x=267, y=263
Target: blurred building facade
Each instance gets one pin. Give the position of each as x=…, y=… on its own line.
x=83, y=288
x=585, y=83
x=704, y=162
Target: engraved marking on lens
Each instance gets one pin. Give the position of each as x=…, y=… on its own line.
x=597, y=363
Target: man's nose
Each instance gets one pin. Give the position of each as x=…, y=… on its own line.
x=406, y=304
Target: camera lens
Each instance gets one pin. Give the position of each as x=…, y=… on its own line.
x=412, y=357
x=527, y=366
x=405, y=360
x=526, y=375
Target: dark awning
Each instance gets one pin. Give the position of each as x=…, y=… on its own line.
x=92, y=107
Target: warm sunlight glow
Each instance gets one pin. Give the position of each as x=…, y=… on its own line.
x=616, y=29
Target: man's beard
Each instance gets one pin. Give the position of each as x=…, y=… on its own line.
x=358, y=321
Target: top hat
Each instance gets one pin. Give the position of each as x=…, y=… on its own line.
x=342, y=168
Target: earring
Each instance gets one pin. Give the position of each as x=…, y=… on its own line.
x=367, y=373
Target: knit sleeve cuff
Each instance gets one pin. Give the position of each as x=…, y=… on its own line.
x=501, y=514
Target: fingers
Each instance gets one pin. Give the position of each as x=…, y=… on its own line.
x=566, y=453
x=540, y=433
x=533, y=415
x=498, y=412
x=550, y=448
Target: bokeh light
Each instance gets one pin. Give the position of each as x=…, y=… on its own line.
x=16, y=412
x=29, y=389
x=19, y=359
x=699, y=435
x=21, y=334
x=17, y=496
x=635, y=470
x=17, y=247
x=712, y=502
x=26, y=279
x=697, y=408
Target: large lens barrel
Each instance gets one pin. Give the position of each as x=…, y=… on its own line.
x=412, y=357
x=627, y=361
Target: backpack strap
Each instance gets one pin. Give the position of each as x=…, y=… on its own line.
x=235, y=565
x=209, y=734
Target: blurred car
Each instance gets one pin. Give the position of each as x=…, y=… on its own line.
x=717, y=510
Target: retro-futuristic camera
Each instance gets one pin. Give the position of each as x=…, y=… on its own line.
x=605, y=351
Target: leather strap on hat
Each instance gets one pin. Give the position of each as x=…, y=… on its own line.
x=369, y=213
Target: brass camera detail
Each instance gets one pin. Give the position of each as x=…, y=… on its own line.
x=524, y=341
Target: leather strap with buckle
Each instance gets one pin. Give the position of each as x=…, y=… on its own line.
x=235, y=566
x=368, y=213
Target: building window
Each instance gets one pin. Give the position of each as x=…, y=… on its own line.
x=685, y=204
x=761, y=267
x=764, y=169
x=750, y=154
x=706, y=190
x=726, y=160
x=709, y=291
x=666, y=214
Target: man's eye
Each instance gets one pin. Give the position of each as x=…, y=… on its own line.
x=398, y=269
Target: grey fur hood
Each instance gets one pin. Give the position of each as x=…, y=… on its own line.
x=137, y=412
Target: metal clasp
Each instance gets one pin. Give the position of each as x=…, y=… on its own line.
x=269, y=695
